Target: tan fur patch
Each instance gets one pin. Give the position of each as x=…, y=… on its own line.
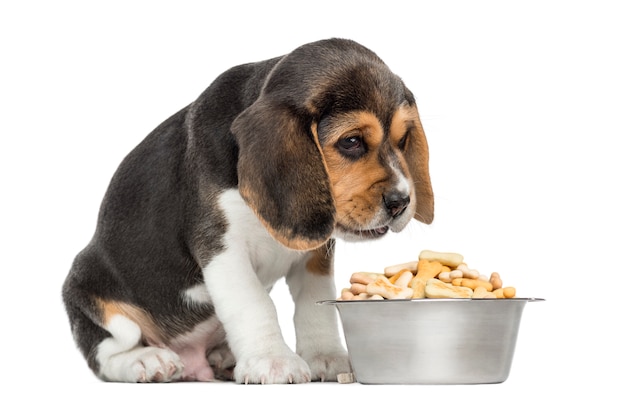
x=415, y=159
x=148, y=328
x=320, y=262
x=403, y=120
x=405, y=117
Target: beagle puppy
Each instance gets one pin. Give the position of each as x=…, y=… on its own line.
x=250, y=183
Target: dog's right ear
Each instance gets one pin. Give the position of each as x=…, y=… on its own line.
x=417, y=159
x=282, y=176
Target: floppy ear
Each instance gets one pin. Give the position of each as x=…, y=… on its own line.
x=417, y=159
x=282, y=175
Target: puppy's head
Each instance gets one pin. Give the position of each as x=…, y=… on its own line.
x=333, y=146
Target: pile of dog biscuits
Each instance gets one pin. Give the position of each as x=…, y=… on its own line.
x=434, y=275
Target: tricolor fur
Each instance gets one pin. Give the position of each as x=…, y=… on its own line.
x=250, y=183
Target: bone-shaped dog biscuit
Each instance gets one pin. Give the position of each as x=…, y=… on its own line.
x=467, y=272
x=394, y=269
x=384, y=288
x=437, y=289
x=472, y=283
x=495, y=280
x=481, y=292
x=452, y=260
x=363, y=277
x=426, y=270
x=402, y=278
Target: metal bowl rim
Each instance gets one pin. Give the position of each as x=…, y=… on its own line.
x=428, y=300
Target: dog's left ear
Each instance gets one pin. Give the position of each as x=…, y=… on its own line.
x=417, y=159
x=282, y=176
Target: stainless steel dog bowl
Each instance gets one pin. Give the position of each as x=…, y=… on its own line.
x=431, y=341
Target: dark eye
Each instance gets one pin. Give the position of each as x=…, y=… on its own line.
x=402, y=142
x=352, y=146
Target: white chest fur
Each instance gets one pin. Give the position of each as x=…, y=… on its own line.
x=269, y=259
x=248, y=244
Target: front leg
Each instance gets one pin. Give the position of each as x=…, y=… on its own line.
x=317, y=331
x=251, y=323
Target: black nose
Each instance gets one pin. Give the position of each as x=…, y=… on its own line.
x=396, y=203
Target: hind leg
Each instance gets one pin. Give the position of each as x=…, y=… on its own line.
x=222, y=361
x=122, y=357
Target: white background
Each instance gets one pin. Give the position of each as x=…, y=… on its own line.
x=523, y=104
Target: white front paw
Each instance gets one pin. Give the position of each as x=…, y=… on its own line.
x=272, y=369
x=326, y=366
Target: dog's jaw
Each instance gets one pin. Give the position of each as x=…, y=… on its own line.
x=369, y=233
x=381, y=222
x=376, y=229
x=352, y=235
